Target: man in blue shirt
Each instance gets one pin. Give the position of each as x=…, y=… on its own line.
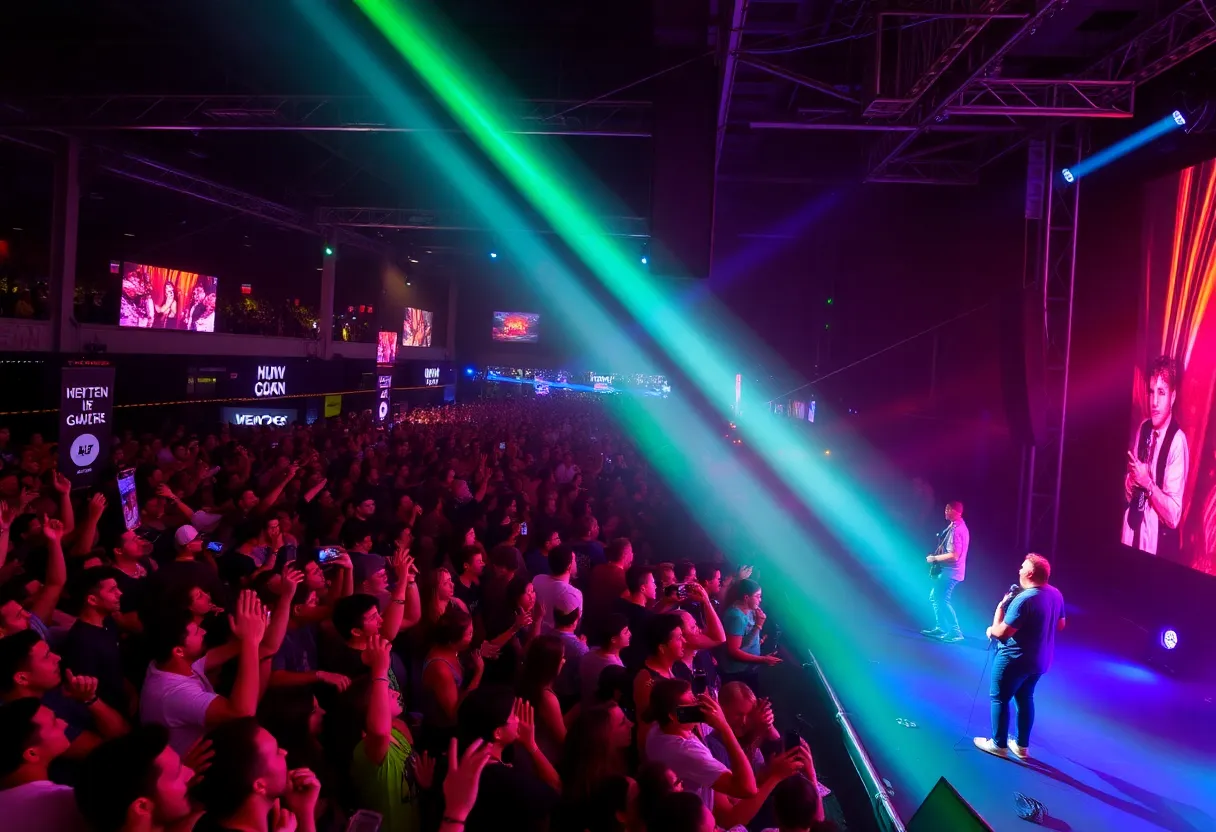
x=1026, y=624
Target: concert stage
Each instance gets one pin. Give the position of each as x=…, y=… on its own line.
x=1116, y=745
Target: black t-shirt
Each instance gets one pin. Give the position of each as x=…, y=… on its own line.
x=132, y=590
x=470, y=595
x=506, y=795
x=175, y=577
x=94, y=651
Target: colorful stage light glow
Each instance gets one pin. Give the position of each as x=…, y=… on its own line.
x=1123, y=147
x=1169, y=639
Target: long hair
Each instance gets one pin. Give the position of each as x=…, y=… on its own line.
x=542, y=662
x=588, y=757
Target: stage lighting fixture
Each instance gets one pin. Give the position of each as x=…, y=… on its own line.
x=1169, y=638
x=493, y=255
x=645, y=260
x=329, y=251
x=1121, y=148
x=468, y=371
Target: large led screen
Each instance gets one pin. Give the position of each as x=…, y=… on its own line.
x=156, y=297
x=1170, y=498
x=520, y=327
x=417, y=329
x=386, y=348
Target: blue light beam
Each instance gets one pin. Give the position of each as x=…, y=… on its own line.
x=1121, y=148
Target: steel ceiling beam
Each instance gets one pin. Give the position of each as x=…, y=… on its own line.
x=796, y=78
x=302, y=114
x=1187, y=30
x=901, y=103
x=888, y=149
x=1037, y=98
x=425, y=219
x=729, y=68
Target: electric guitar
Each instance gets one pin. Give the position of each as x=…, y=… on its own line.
x=943, y=536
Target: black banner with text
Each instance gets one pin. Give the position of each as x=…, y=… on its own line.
x=86, y=399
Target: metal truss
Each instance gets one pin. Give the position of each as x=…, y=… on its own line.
x=795, y=78
x=421, y=219
x=937, y=48
x=1049, y=272
x=301, y=114
x=1044, y=99
x=730, y=66
x=1181, y=33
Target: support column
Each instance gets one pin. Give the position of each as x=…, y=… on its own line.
x=1050, y=271
x=325, y=311
x=65, y=216
x=453, y=293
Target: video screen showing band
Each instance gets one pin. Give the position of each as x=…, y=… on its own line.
x=386, y=348
x=519, y=327
x=1170, y=501
x=156, y=297
x=417, y=329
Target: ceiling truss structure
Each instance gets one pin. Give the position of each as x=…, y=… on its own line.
x=421, y=219
x=302, y=114
x=936, y=75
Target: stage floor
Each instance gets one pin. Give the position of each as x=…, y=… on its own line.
x=1116, y=746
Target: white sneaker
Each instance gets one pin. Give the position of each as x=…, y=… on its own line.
x=1018, y=751
x=987, y=745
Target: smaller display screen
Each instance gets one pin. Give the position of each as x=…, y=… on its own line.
x=386, y=348
x=416, y=332
x=156, y=297
x=520, y=327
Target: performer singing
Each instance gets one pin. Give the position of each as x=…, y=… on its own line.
x=947, y=568
x=1157, y=468
x=1025, y=623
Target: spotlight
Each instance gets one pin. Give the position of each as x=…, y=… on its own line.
x=1179, y=119
x=329, y=251
x=493, y=255
x=468, y=371
x=645, y=260
x=1169, y=638
x=1067, y=174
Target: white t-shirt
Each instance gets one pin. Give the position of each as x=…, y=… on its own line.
x=177, y=702
x=689, y=759
x=39, y=807
x=549, y=592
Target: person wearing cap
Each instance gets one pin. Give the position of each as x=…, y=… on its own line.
x=370, y=575
x=192, y=566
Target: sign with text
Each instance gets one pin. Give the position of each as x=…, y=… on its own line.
x=333, y=406
x=86, y=397
x=271, y=380
x=254, y=416
x=384, y=397
x=430, y=374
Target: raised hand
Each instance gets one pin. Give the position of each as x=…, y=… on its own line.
x=526, y=718
x=787, y=764
x=424, y=770
x=81, y=688
x=460, y=786
x=62, y=484
x=303, y=789
x=292, y=578
x=282, y=819
x=249, y=623
x=403, y=565
x=523, y=619
x=97, y=506
x=8, y=514
x=378, y=655
x=714, y=716
x=198, y=758
x=52, y=530
x=163, y=490
x=335, y=680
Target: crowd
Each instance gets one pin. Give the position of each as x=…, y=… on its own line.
x=483, y=617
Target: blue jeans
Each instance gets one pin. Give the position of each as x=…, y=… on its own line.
x=1012, y=679
x=943, y=614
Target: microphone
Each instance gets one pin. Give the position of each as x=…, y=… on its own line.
x=1014, y=591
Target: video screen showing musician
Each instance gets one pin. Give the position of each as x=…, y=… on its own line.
x=1157, y=466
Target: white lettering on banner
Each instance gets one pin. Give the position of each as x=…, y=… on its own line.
x=93, y=418
x=601, y=379
x=431, y=374
x=259, y=419
x=87, y=392
x=272, y=380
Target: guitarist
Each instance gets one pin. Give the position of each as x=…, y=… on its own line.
x=947, y=567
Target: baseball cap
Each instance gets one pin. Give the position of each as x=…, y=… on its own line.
x=365, y=565
x=185, y=535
